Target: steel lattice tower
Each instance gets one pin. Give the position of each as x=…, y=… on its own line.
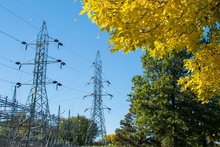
x=37, y=100
x=14, y=100
x=97, y=113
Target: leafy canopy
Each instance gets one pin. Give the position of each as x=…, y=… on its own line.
x=174, y=118
x=161, y=26
x=74, y=130
x=132, y=135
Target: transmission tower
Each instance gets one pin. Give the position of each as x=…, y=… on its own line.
x=97, y=113
x=37, y=116
x=37, y=99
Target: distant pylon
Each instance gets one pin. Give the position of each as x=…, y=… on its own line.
x=37, y=99
x=58, y=123
x=14, y=100
x=97, y=113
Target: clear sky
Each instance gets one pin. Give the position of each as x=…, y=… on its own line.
x=82, y=39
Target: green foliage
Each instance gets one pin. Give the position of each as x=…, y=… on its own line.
x=74, y=130
x=131, y=134
x=11, y=126
x=173, y=117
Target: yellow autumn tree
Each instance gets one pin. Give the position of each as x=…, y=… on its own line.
x=164, y=25
x=110, y=139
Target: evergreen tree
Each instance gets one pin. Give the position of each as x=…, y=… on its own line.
x=131, y=135
x=173, y=117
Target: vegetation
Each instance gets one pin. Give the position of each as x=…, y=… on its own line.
x=74, y=130
x=110, y=139
x=11, y=125
x=131, y=134
x=161, y=114
x=181, y=66
x=161, y=26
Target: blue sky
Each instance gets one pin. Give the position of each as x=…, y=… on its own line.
x=82, y=39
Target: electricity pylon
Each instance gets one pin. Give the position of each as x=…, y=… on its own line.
x=37, y=100
x=37, y=117
x=97, y=114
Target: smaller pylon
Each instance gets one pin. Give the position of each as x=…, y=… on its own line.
x=97, y=125
x=14, y=117
x=14, y=101
x=68, y=127
x=58, y=123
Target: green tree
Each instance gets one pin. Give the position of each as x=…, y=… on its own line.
x=11, y=128
x=74, y=130
x=174, y=117
x=132, y=135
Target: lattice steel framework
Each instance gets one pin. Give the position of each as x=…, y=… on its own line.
x=97, y=113
x=38, y=116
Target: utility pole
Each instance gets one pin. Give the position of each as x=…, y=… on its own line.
x=97, y=113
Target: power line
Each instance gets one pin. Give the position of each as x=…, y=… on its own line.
x=4, y=58
x=10, y=67
x=17, y=69
x=6, y=34
x=70, y=88
x=74, y=89
x=77, y=71
x=77, y=54
x=5, y=65
x=67, y=87
x=66, y=99
x=7, y=81
x=19, y=17
x=22, y=4
x=115, y=98
x=14, y=38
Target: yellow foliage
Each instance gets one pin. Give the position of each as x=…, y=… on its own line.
x=161, y=26
x=111, y=138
